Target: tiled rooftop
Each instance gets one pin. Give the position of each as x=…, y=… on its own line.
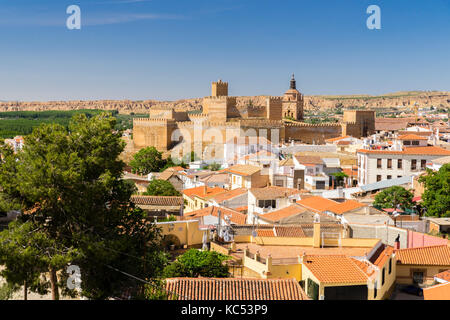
x=234, y=289
x=433, y=255
x=277, y=215
x=444, y=275
x=235, y=217
x=200, y=192
x=157, y=200
x=335, y=269
x=273, y=192
x=317, y=203
x=229, y=194
x=431, y=150
x=346, y=206
x=243, y=169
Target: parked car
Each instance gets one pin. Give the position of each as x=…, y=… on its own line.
x=413, y=290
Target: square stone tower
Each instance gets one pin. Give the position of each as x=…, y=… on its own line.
x=219, y=89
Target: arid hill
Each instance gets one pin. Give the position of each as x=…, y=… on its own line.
x=421, y=98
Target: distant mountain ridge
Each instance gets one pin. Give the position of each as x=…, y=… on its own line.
x=316, y=102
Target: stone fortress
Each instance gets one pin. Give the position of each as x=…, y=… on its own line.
x=280, y=118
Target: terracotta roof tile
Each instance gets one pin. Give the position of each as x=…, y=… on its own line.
x=433, y=255
x=157, y=200
x=235, y=217
x=277, y=215
x=200, y=192
x=411, y=137
x=335, y=269
x=273, y=192
x=229, y=194
x=317, y=203
x=235, y=289
x=346, y=206
x=243, y=169
x=431, y=150
x=444, y=275
x=309, y=159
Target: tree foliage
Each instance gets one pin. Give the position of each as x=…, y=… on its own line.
x=69, y=186
x=161, y=188
x=194, y=263
x=393, y=197
x=147, y=160
x=436, y=197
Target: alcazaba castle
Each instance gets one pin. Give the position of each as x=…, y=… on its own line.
x=282, y=116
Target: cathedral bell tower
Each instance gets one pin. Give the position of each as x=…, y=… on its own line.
x=293, y=102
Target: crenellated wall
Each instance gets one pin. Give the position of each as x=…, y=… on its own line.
x=312, y=133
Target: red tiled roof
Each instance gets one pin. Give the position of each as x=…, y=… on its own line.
x=335, y=269
x=317, y=203
x=433, y=255
x=229, y=194
x=346, y=206
x=235, y=289
x=235, y=217
x=200, y=192
x=273, y=192
x=411, y=137
x=444, y=275
x=277, y=215
x=384, y=255
x=431, y=150
x=157, y=200
x=309, y=159
x=243, y=169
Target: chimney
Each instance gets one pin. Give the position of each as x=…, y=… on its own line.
x=397, y=243
x=316, y=231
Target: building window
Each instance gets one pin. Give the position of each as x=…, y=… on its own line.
x=378, y=177
x=418, y=275
x=413, y=164
x=399, y=164
x=389, y=163
x=390, y=265
x=415, y=143
x=383, y=276
x=423, y=164
x=378, y=163
x=399, y=177
x=375, y=289
x=389, y=177
x=407, y=143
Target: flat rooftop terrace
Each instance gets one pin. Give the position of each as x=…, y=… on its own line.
x=281, y=252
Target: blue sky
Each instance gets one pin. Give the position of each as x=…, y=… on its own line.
x=173, y=49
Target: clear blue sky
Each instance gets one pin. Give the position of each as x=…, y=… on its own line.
x=172, y=49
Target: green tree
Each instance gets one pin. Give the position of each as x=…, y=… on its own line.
x=69, y=181
x=393, y=197
x=436, y=197
x=194, y=263
x=339, y=176
x=147, y=160
x=27, y=253
x=214, y=166
x=161, y=188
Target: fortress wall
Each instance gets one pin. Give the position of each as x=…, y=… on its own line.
x=274, y=108
x=309, y=133
x=152, y=132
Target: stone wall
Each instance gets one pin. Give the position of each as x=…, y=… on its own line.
x=312, y=133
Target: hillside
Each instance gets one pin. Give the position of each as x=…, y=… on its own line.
x=422, y=98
